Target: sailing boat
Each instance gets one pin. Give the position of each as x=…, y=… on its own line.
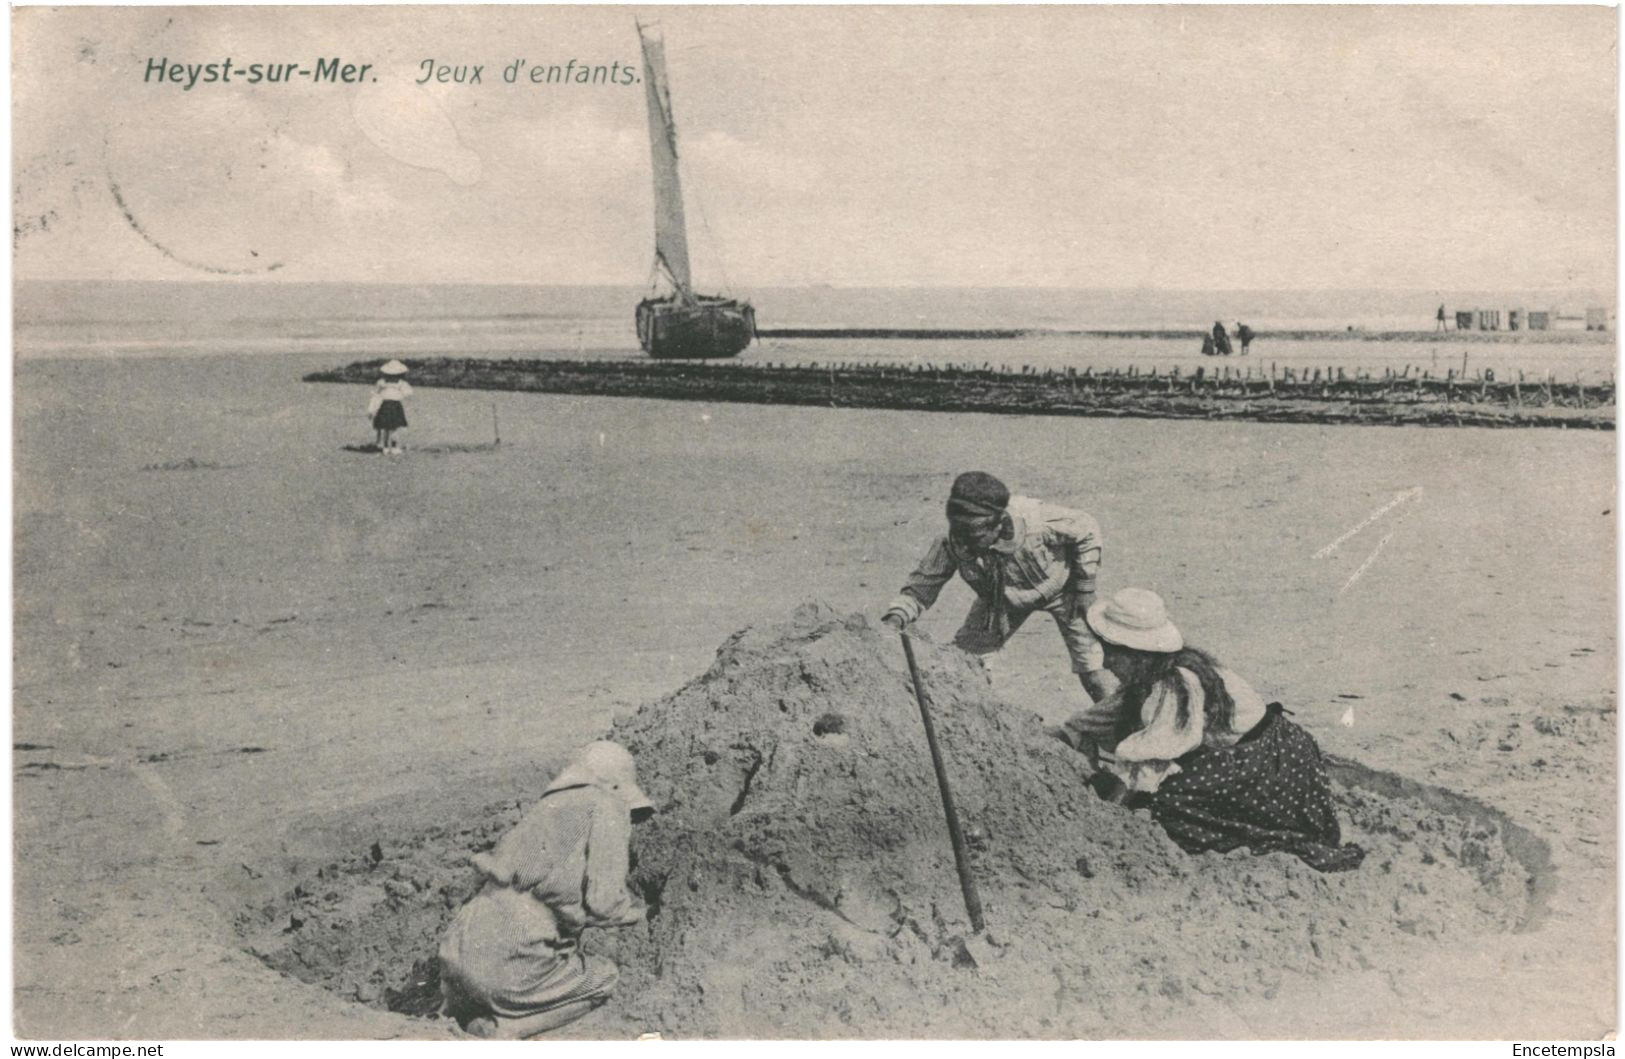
x=681, y=324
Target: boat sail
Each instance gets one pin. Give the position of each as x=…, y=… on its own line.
x=681, y=324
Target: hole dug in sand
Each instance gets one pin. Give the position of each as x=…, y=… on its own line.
x=800, y=882
x=830, y=724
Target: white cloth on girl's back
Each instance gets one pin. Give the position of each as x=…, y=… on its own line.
x=1148, y=756
x=388, y=390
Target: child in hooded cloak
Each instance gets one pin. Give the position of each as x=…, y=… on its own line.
x=511, y=964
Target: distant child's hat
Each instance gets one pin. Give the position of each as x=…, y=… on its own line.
x=393, y=367
x=1137, y=618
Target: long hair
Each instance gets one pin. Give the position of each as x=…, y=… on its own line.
x=1154, y=669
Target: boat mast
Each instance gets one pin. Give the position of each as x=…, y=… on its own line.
x=671, y=234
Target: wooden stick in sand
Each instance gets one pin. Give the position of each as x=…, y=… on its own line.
x=967, y=884
x=497, y=434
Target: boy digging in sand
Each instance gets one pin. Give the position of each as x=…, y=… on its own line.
x=1021, y=556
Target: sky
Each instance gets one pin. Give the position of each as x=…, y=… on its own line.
x=1465, y=148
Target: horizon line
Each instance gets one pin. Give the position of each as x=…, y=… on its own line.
x=811, y=285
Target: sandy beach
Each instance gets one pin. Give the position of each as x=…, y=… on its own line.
x=242, y=651
x=272, y=690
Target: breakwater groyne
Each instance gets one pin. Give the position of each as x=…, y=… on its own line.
x=1225, y=392
x=1196, y=335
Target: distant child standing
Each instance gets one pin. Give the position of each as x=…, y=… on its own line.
x=385, y=409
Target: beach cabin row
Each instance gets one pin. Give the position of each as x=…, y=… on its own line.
x=1531, y=320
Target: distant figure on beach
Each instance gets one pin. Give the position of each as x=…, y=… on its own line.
x=385, y=409
x=1440, y=317
x=1188, y=738
x=1020, y=556
x=1244, y=335
x=511, y=964
x=1221, y=341
x=1207, y=346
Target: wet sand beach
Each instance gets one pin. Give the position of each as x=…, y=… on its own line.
x=242, y=651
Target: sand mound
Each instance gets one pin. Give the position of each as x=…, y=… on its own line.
x=800, y=882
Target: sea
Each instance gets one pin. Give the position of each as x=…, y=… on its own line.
x=79, y=319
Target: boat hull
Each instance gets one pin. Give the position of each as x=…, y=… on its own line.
x=702, y=329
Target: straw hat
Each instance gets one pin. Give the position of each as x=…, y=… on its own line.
x=605, y=765
x=394, y=367
x=1136, y=618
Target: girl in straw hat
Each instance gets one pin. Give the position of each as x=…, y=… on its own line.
x=1219, y=768
x=511, y=964
x=385, y=409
